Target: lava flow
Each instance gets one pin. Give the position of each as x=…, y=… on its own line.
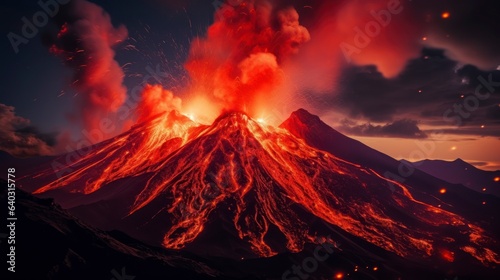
x=268, y=182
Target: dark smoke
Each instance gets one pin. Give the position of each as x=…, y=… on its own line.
x=85, y=42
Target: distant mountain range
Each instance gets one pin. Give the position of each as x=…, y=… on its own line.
x=254, y=196
x=461, y=172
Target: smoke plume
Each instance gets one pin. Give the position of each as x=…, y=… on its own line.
x=156, y=100
x=240, y=59
x=19, y=138
x=85, y=42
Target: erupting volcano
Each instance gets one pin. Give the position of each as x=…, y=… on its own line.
x=199, y=168
x=170, y=181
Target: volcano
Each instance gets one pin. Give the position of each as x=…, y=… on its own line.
x=239, y=188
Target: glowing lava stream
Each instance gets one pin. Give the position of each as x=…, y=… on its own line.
x=261, y=174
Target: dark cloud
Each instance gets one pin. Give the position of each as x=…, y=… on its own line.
x=469, y=35
x=494, y=113
x=19, y=138
x=459, y=49
x=479, y=163
x=469, y=130
x=85, y=42
x=404, y=128
x=366, y=93
x=432, y=88
x=459, y=53
x=488, y=166
x=476, y=77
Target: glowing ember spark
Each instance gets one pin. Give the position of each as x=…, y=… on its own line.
x=447, y=255
x=442, y=191
x=239, y=63
x=497, y=179
x=86, y=42
x=445, y=15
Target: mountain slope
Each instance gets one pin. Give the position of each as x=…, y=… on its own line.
x=52, y=244
x=424, y=187
x=461, y=172
x=318, y=134
x=173, y=182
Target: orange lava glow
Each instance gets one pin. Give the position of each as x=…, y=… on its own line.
x=263, y=171
x=447, y=255
x=497, y=179
x=116, y=159
x=339, y=276
x=445, y=15
x=239, y=62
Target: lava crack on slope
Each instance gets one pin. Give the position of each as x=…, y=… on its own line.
x=260, y=174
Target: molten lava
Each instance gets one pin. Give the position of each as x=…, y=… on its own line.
x=266, y=180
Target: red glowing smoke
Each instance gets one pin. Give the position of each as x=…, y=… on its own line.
x=239, y=61
x=378, y=32
x=85, y=42
x=156, y=100
x=257, y=52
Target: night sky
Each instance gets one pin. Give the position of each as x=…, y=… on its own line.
x=427, y=76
